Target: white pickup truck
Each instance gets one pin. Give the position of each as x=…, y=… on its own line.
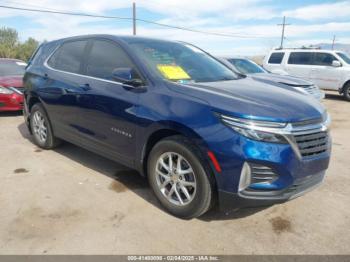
x=328, y=69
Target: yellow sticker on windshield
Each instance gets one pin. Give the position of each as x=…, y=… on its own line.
x=173, y=72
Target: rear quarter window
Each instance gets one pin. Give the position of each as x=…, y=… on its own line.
x=276, y=58
x=37, y=55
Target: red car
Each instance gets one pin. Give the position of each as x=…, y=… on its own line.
x=11, y=85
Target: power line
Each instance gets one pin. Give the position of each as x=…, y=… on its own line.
x=64, y=13
x=28, y=5
x=131, y=19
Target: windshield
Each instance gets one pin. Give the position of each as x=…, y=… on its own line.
x=10, y=68
x=345, y=57
x=245, y=66
x=181, y=62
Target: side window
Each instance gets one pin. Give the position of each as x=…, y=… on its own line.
x=68, y=57
x=300, y=58
x=276, y=58
x=324, y=59
x=104, y=58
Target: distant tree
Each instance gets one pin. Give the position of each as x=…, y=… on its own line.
x=8, y=42
x=11, y=47
x=26, y=49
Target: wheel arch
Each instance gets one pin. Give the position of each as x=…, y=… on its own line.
x=32, y=101
x=173, y=129
x=347, y=82
x=168, y=129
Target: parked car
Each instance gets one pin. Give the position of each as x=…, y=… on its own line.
x=248, y=67
x=11, y=84
x=328, y=69
x=197, y=130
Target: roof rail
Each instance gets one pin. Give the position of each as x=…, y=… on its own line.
x=303, y=47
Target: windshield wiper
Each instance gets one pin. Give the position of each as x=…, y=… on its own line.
x=226, y=79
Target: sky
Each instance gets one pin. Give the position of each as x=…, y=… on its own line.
x=253, y=23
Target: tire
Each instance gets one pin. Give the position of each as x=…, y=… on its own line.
x=42, y=129
x=169, y=186
x=346, y=92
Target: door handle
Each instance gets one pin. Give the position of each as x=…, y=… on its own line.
x=70, y=91
x=85, y=87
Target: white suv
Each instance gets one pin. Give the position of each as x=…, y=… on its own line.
x=328, y=69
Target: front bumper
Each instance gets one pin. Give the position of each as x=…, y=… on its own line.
x=277, y=171
x=11, y=102
x=251, y=198
x=320, y=95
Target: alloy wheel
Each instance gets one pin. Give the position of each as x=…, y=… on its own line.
x=175, y=178
x=39, y=127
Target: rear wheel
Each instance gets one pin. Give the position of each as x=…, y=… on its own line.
x=41, y=128
x=346, y=92
x=178, y=178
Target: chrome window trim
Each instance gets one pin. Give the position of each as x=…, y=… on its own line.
x=75, y=74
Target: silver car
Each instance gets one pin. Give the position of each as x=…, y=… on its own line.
x=248, y=67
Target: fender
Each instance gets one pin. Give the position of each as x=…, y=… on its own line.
x=160, y=130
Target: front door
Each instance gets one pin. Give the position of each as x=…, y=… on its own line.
x=62, y=84
x=323, y=73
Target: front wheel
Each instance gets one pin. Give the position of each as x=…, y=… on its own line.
x=346, y=92
x=178, y=178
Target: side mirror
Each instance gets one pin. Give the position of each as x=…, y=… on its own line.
x=126, y=75
x=122, y=74
x=336, y=63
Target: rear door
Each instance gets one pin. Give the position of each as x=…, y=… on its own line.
x=61, y=84
x=299, y=64
x=107, y=110
x=323, y=73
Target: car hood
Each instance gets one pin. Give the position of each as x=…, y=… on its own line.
x=287, y=80
x=11, y=81
x=254, y=99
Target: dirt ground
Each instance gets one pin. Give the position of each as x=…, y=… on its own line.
x=71, y=201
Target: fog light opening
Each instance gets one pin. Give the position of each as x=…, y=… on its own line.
x=245, y=178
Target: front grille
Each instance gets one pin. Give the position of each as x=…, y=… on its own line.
x=260, y=173
x=314, y=121
x=310, y=89
x=312, y=144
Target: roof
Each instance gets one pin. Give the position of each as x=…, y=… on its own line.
x=126, y=38
x=315, y=50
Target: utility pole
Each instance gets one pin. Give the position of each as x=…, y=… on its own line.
x=283, y=26
x=134, y=18
x=333, y=42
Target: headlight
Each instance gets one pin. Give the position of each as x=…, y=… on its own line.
x=6, y=91
x=255, y=129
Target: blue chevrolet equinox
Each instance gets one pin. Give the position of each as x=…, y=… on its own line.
x=199, y=132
